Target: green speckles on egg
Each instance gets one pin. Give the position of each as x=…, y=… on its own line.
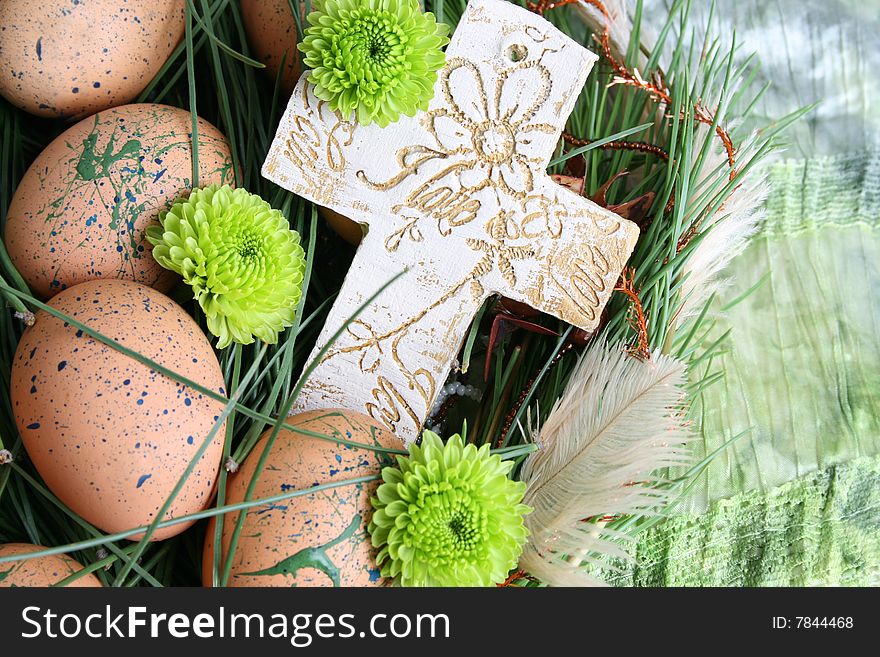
x=68, y=59
x=81, y=209
x=108, y=434
x=318, y=539
x=91, y=166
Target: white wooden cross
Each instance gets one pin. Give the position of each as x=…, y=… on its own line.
x=459, y=197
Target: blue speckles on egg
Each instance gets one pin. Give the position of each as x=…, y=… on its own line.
x=94, y=446
x=59, y=44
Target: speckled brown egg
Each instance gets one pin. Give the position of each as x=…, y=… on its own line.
x=72, y=58
x=40, y=571
x=319, y=539
x=272, y=35
x=109, y=435
x=82, y=207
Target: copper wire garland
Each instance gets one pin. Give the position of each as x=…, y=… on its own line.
x=516, y=576
x=640, y=146
x=641, y=348
x=655, y=89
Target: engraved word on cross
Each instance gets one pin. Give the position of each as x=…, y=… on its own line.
x=459, y=197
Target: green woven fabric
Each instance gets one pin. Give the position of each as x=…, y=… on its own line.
x=823, y=529
x=795, y=499
x=840, y=190
x=801, y=386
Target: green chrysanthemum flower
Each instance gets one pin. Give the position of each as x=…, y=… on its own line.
x=244, y=263
x=449, y=516
x=376, y=58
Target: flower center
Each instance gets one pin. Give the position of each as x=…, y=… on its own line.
x=377, y=48
x=248, y=247
x=370, y=48
x=461, y=527
x=494, y=142
x=448, y=525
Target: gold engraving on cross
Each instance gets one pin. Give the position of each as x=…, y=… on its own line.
x=459, y=197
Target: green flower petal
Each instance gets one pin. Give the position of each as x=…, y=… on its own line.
x=376, y=59
x=242, y=260
x=448, y=516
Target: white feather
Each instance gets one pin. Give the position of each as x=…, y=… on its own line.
x=728, y=231
x=618, y=421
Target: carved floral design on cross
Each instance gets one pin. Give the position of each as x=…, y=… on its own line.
x=457, y=195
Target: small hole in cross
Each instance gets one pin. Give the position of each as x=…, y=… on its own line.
x=517, y=53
